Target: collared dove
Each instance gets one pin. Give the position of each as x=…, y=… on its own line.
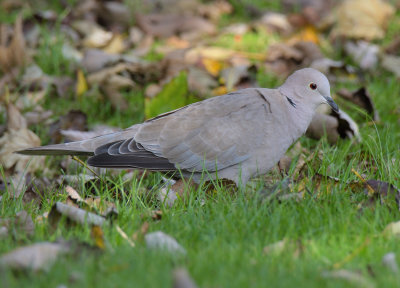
x=234, y=136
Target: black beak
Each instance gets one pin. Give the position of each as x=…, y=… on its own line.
x=332, y=103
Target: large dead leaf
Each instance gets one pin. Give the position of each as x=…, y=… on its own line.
x=166, y=25
x=15, y=53
x=39, y=256
x=160, y=240
x=18, y=137
x=283, y=59
x=361, y=19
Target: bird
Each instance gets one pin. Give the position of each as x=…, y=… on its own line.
x=235, y=136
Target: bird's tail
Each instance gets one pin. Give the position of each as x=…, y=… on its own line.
x=84, y=147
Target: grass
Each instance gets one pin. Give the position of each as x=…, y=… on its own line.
x=225, y=234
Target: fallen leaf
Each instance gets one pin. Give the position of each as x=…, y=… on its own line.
x=162, y=241
x=361, y=19
x=73, y=120
x=362, y=98
x=98, y=130
x=166, y=25
x=334, y=126
x=276, y=22
x=15, y=53
x=37, y=257
x=364, y=53
x=81, y=84
x=116, y=45
x=96, y=59
x=283, y=59
x=18, y=137
x=74, y=214
x=97, y=235
x=97, y=38
x=182, y=279
x=200, y=82
x=239, y=77
x=213, y=66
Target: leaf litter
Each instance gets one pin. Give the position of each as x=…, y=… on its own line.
x=111, y=54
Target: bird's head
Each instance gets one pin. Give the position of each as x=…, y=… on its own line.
x=308, y=86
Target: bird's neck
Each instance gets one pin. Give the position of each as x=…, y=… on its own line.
x=300, y=114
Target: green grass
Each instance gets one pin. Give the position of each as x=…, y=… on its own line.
x=224, y=233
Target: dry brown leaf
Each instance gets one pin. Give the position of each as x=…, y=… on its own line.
x=18, y=137
x=39, y=256
x=362, y=19
x=166, y=25
x=200, y=82
x=96, y=59
x=15, y=53
x=73, y=120
x=113, y=14
x=283, y=59
x=276, y=22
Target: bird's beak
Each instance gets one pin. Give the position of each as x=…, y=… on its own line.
x=332, y=103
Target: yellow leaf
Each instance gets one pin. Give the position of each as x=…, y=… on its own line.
x=81, y=84
x=220, y=90
x=309, y=33
x=116, y=45
x=98, y=237
x=213, y=66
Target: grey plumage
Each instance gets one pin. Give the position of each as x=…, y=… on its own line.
x=236, y=135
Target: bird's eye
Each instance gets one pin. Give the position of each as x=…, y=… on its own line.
x=313, y=86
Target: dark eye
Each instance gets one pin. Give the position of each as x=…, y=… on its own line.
x=313, y=86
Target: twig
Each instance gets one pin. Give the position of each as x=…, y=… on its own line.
x=349, y=257
x=123, y=234
x=85, y=165
x=371, y=190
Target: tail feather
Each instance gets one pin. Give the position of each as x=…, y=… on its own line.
x=84, y=147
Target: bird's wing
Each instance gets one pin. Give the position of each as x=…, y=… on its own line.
x=212, y=134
